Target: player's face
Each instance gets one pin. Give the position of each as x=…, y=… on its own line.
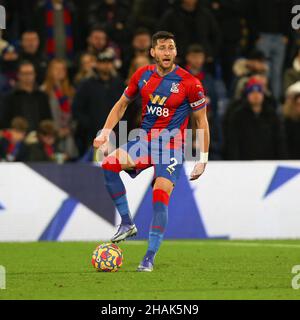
x=164, y=53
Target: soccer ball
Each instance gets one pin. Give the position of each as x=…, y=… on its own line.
x=107, y=257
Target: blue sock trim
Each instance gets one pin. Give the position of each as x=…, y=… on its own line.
x=117, y=191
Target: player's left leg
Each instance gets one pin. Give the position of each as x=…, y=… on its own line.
x=162, y=190
x=166, y=175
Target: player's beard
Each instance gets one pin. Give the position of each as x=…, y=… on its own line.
x=160, y=64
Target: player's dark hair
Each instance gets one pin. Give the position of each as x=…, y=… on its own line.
x=165, y=35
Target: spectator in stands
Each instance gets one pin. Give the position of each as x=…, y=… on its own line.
x=292, y=75
x=60, y=93
x=86, y=68
x=137, y=62
x=30, y=51
x=254, y=131
x=192, y=22
x=12, y=19
x=4, y=81
x=291, y=112
x=133, y=115
x=98, y=42
x=195, y=63
x=56, y=22
x=145, y=13
x=271, y=26
x=111, y=15
x=26, y=100
x=9, y=66
x=94, y=100
x=45, y=149
x=244, y=68
x=12, y=146
x=229, y=14
x=139, y=46
x=293, y=89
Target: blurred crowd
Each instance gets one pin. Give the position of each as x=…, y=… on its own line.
x=64, y=63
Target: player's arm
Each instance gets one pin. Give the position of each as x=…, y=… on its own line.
x=202, y=141
x=198, y=103
x=115, y=115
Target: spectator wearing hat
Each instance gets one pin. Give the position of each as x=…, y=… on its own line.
x=234, y=104
x=12, y=146
x=254, y=131
x=244, y=68
x=291, y=113
x=94, y=100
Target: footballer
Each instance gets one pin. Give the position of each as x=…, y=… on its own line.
x=169, y=94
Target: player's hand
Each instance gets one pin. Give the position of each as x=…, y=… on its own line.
x=197, y=171
x=101, y=142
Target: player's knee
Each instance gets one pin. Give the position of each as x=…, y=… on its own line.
x=111, y=163
x=163, y=184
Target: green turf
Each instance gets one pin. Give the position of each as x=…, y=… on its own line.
x=211, y=269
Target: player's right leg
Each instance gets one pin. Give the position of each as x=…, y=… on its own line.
x=112, y=165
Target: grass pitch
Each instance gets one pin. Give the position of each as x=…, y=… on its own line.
x=210, y=269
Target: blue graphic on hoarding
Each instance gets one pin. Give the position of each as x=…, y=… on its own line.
x=1, y=206
x=184, y=221
x=59, y=221
x=281, y=176
x=83, y=182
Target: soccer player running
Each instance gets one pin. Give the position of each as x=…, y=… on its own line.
x=168, y=95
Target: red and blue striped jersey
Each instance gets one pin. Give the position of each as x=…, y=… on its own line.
x=166, y=101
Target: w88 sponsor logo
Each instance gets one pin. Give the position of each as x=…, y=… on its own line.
x=158, y=111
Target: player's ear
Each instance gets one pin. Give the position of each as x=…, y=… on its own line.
x=152, y=52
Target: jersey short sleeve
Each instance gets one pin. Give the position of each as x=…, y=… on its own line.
x=196, y=95
x=132, y=90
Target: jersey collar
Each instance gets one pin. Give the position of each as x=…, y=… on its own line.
x=168, y=74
